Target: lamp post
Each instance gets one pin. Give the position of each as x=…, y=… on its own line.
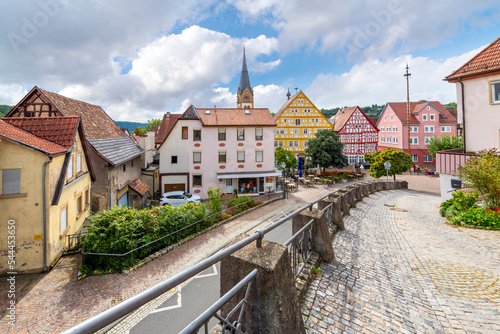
x=283, y=170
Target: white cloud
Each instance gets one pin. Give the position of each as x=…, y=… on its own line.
x=11, y=94
x=377, y=82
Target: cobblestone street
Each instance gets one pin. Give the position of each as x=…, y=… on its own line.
x=400, y=268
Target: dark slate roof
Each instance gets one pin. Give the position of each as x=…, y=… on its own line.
x=116, y=150
x=244, y=79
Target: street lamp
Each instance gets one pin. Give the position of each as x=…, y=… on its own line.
x=283, y=170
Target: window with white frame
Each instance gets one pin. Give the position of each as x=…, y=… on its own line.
x=414, y=157
x=385, y=118
x=296, y=131
x=382, y=129
x=432, y=117
x=275, y=143
x=446, y=129
x=389, y=129
x=382, y=139
x=290, y=143
x=305, y=131
x=296, y=144
x=424, y=117
x=392, y=118
x=427, y=158
x=196, y=157
x=241, y=134
x=280, y=143
x=64, y=219
x=70, y=168
x=414, y=129
x=394, y=129
x=427, y=140
x=259, y=156
x=389, y=139
x=395, y=140
x=429, y=128
x=258, y=133
x=495, y=92
x=413, y=140
x=282, y=131
x=241, y=156
x=78, y=163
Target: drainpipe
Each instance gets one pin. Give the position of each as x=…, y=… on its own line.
x=463, y=112
x=44, y=216
x=91, y=187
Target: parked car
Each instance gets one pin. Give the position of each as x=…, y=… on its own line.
x=177, y=198
x=366, y=164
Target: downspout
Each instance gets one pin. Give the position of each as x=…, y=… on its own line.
x=91, y=187
x=463, y=112
x=44, y=215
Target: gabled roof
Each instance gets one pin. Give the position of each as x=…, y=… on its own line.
x=400, y=109
x=344, y=114
x=60, y=130
x=286, y=105
x=116, y=151
x=96, y=122
x=166, y=126
x=488, y=60
x=236, y=117
x=139, y=187
x=13, y=133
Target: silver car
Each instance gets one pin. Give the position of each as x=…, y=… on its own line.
x=177, y=198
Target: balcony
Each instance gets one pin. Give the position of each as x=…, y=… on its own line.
x=447, y=162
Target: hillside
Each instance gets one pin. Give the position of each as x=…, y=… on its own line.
x=4, y=109
x=130, y=125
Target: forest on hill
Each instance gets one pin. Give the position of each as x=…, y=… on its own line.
x=4, y=109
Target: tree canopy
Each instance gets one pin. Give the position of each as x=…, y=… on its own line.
x=281, y=155
x=400, y=162
x=442, y=143
x=151, y=123
x=138, y=131
x=325, y=149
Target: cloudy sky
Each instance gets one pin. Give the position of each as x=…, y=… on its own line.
x=139, y=59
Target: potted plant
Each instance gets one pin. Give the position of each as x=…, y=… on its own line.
x=344, y=177
x=235, y=192
x=325, y=185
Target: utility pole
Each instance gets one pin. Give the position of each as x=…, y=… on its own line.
x=407, y=75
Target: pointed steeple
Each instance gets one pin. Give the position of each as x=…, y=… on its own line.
x=245, y=92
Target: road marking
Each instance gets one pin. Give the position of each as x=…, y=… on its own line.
x=215, y=273
x=173, y=307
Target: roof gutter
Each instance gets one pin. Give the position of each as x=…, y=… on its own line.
x=463, y=112
x=44, y=215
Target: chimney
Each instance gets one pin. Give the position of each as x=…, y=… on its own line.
x=168, y=114
x=215, y=107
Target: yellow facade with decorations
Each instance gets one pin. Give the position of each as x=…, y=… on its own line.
x=297, y=121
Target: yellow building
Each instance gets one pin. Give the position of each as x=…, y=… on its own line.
x=297, y=121
x=46, y=184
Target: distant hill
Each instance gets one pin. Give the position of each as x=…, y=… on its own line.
x=4, y=109
x=371, y=111
x=130, y=125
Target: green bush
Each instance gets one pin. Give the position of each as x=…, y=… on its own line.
x=121, y=229
x=478, y=216
x=460, y=201
x=241, y=204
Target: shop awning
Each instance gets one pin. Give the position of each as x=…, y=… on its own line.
x=247, y=174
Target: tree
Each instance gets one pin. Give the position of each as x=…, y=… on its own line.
x=138, y=131
x=281, y=155
x=325, y=149
x=482, y=172
x=442, y=143
x=151, y=123
x=400, y=162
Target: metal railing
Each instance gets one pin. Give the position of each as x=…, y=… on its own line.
x=119, y=311
x=300, y=247
x=179, y=232
x=227, y=324
x=328, y=210
x=74, y=239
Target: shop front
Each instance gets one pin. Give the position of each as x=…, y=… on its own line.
x=248, y=183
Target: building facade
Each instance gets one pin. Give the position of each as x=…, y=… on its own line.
x=297, y=121
x=478, y=107
x=46, y=185
x=98, y=126
x=427, y=120
x=227, y=148
x=356, y=132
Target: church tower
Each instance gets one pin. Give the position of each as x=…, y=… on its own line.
x=245, y=93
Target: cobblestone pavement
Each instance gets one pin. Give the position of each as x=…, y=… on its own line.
x=52, y=302
x=400, y=268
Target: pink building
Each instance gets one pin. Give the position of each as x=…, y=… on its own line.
x=427, y=119
x=226, y=148
x=357, y=133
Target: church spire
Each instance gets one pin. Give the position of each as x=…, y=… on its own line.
x=245, y=92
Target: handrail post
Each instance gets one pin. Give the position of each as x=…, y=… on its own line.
x=256, y=324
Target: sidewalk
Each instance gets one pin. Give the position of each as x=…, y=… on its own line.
x=52, y=302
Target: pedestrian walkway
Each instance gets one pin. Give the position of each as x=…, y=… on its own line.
x=52, y=302
x=400, y=268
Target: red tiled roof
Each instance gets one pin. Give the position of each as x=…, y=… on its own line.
x=236, y=117
x=139, y=186
x=400, y=109
x=59, y=130
x=166, y=126
x=9, y=131
x=373, y=120
x=488, y=60
x=96, y=122
x=341, y=117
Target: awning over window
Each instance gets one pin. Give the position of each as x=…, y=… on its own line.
x=247, y=174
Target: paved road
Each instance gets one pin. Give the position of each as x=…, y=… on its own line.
x=401, y=269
